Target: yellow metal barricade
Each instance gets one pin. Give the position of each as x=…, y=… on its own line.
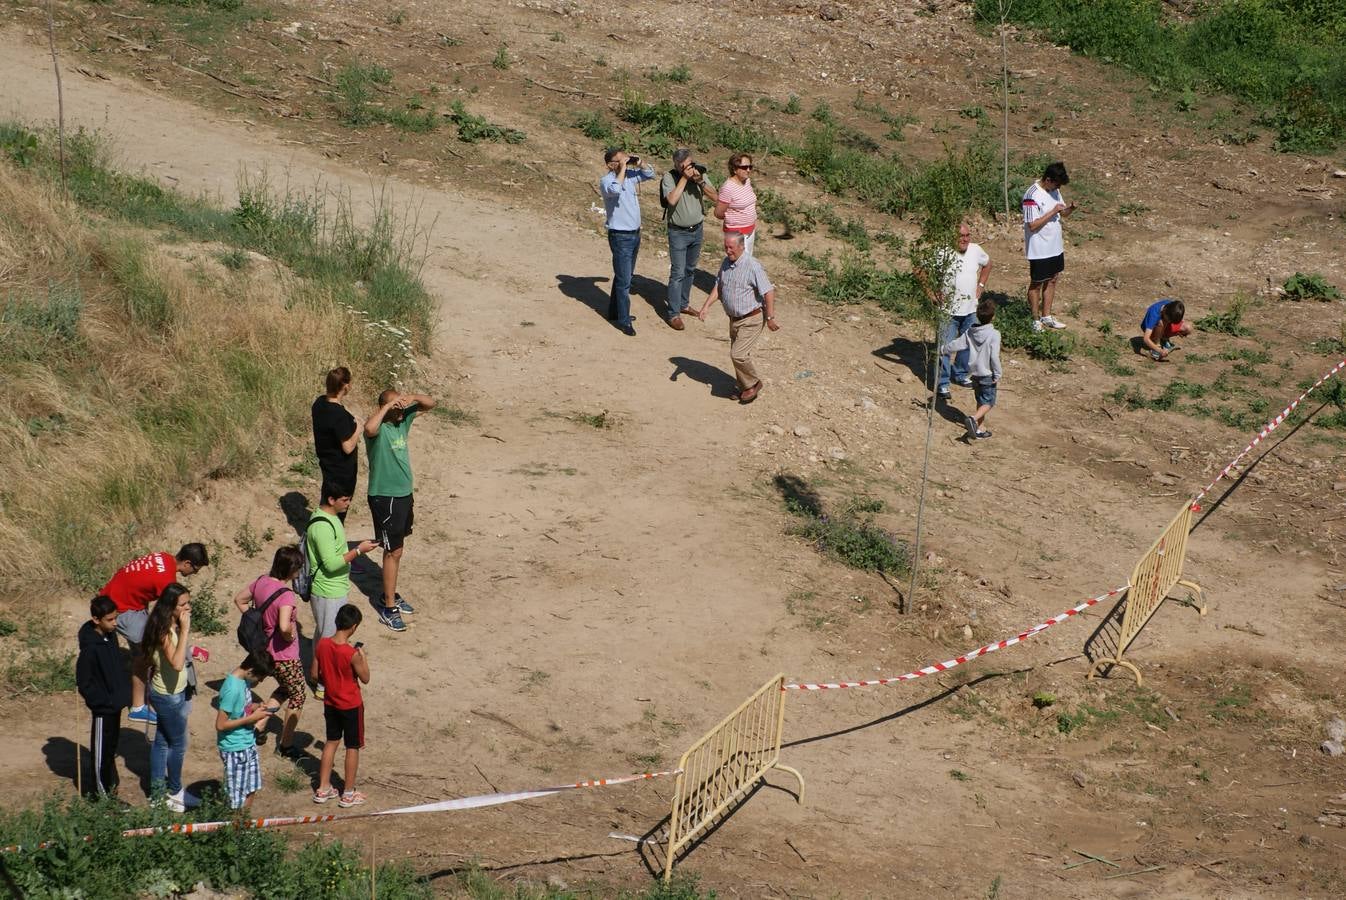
x=1157, y=573
x=722, y=767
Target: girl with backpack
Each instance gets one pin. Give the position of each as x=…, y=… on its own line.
x=273, y=597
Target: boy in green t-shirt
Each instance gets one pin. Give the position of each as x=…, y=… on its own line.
x=235, y=737
x=390, y=491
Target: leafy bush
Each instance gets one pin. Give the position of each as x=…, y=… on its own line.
x=679, y=74
x=473, y=128
x=1228, y=322
x=90, y=858
x=1309, y=287
x=1285, y=56
x=595, y=126
x=681, y=125
x=859, y=279
x=1015, y=325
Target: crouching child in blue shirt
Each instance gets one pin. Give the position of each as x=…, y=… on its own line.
x=982, y=342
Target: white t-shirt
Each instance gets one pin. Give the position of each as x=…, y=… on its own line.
x=1046, y=241
x=960, y=281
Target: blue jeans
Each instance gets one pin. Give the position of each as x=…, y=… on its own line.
x=170, y=739
x=684, y=251
x=625, y=247
x=955, y=327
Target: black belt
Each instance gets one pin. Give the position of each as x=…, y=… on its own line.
x=685, y=227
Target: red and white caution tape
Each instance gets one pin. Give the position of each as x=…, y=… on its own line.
x=476, y=802
x=1266, y=430
x=935, y=668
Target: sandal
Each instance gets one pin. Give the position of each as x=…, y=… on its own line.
x=351, y=798
x=322, y=796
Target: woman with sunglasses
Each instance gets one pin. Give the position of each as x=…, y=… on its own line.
x=737, y=202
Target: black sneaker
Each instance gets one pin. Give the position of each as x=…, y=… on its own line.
x=982, y=435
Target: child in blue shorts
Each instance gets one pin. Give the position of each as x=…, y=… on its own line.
x=235, y=737
x=982, y=342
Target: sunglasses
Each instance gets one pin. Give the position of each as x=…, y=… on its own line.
x=747, y=166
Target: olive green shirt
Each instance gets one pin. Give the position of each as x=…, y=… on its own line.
x=688, y=211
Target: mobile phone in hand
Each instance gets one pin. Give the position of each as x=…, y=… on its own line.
x=359, y=644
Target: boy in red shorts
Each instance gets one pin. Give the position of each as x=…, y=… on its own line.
x=341, y=667
x=1163, y=320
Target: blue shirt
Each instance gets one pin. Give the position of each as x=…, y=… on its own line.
x=620, y=200
x=235, y=696
x=1153, y=313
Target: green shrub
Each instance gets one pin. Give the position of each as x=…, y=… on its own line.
x=677, y=124
x=858, y=279
x=1228, y=322
x=595, y=126
x=679, y=74
x=1015, y=325
x=473, y=128
x=355, y=87
x=851, y=536
x=90, y=858
x=1309, y=287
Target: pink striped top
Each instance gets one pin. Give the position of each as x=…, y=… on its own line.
x=742, y=199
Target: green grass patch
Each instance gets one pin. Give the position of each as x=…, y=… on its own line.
x=849, y=535
x=1286, y=58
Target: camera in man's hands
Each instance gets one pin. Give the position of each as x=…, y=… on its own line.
x=633, y=161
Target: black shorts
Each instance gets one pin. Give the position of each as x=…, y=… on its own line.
x=345, y=725
x=1040, y=270
x=393, y=518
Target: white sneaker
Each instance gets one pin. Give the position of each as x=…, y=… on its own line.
x=1037, y=324
x=182, y=801
x=1050, y=322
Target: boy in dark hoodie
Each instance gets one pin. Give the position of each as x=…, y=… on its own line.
x=102, y=680
x=982, y=342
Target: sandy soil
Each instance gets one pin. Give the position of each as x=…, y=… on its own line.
x=591, y=600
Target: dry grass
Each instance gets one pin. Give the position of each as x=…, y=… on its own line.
x=131, y=370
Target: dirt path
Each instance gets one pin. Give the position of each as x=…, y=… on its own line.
x=591, y=599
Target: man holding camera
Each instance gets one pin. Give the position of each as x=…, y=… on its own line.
x=622, y=205
x=680, y=194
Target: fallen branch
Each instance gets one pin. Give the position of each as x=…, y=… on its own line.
x=1129, y=874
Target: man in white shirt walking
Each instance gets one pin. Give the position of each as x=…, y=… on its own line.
x=965, y=277
x=1043, y=243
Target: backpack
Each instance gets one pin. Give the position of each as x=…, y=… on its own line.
x=252, y=636
x=303, y=582
x=663, y=197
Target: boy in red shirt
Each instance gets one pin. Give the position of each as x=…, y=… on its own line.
x=341, y=667
x=133, y=588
